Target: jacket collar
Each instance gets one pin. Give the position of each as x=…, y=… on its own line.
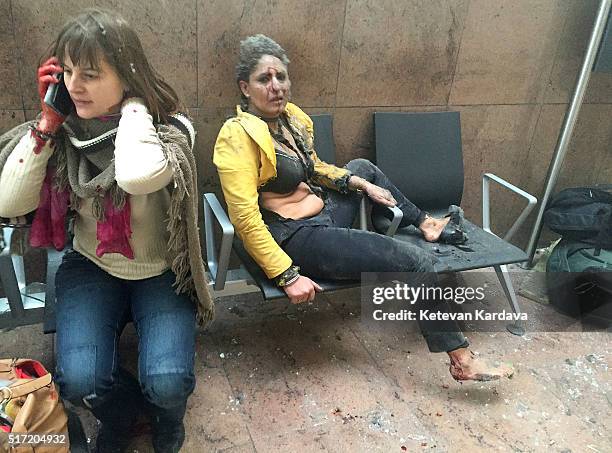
x=258, y=129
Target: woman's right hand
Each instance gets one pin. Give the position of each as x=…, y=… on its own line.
x=302, y=290
x=50, y=119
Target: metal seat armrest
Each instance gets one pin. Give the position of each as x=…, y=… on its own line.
x=363, y=213
x=486, y=215
x=397, y=218
x=6, y=240
x=11, y=275
x=217, y=264
x=54, y=259
x=395, y=211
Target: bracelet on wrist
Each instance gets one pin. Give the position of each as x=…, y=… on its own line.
x=288, y=277
x=293, y=280
x=45, y=136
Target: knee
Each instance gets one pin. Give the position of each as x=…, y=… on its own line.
x=168, y=390
x=74, y=388
x=414, y=259
x=360, y=167
x=79, y=386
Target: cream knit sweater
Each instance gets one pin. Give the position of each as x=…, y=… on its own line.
x=141, y=170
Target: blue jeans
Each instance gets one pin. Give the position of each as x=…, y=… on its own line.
x=93, y=307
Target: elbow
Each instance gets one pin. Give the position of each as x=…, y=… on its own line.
x=16, y=205
x=138, y=187
x=248, y=227
x=131, y=187
x=144, y=184
x=11, y=210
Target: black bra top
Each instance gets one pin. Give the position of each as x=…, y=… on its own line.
x=290, y=170
x=290, y=173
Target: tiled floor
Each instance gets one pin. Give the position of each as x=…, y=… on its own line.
x=274, y=378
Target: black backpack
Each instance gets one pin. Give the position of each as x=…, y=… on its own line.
x=582, y=214
x=579, y=270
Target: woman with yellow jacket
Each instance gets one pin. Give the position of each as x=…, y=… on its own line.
x=291, y=209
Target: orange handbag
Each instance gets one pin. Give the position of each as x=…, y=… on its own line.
x=32, y=416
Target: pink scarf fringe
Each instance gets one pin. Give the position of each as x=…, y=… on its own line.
x=114, y=233
x=49, y=224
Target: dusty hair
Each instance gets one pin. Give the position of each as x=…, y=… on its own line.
x=251, y=50
x=97, y=34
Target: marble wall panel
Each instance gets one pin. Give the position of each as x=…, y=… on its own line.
x=570, y=53
x=495, y=139
x=10, y=95
x=208, y=122
x=599, y=89
x=605, y=170
x=10, y=119
x=167, y=30
x=30, y=114
x=310, y=32
x=397, y=52
x=37, y=23
x=542, y=147
x=536, y=165
x=354, y=133
x=507, y=51
x=590, y=149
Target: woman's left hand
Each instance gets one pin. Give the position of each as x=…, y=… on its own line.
x=379, y=195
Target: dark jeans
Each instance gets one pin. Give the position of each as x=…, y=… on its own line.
x=93, y=307
x=342, y=253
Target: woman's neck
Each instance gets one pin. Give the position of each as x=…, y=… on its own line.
x=271, y=121
x=274, y=126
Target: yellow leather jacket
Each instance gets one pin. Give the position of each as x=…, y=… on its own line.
x=245, y=159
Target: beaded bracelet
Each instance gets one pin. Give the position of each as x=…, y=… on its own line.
x=288, y=277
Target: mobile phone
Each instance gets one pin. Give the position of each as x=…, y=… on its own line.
x=58, y=98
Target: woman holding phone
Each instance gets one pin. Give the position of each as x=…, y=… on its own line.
x=120, y=163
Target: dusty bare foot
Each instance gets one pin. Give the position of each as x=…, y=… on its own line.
x=432, y=227
x=465, y=366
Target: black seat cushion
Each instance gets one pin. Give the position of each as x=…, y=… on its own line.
x=481, y=250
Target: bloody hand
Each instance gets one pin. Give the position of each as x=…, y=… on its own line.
x=50, y=119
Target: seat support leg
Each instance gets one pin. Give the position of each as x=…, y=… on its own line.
x=10, y=282
x=515, y=328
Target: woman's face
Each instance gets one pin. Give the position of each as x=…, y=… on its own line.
x=268, y=87
x=95, y=92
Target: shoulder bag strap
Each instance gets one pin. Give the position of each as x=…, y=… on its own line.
x=25, y=388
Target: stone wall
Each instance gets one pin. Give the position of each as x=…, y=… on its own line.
x=508, y=66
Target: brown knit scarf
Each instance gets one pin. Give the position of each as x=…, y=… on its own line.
x=73, y=171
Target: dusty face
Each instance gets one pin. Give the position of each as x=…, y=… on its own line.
x=95, y=92
x=268, y=87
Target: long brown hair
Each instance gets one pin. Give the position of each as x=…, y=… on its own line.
x=98, y=33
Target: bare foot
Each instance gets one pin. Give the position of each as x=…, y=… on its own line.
x=432, y=227
x=465, y=366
